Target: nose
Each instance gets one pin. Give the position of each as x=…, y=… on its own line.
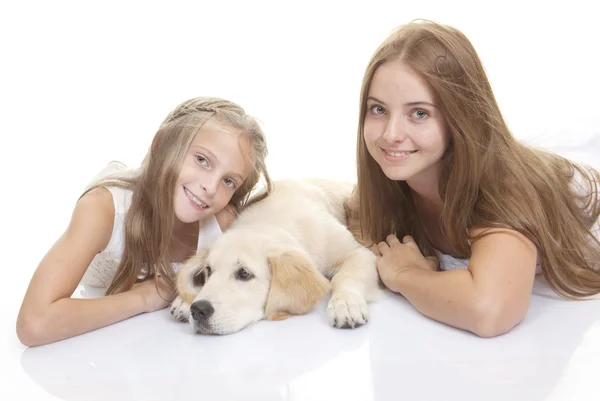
x=210, y=185
x=201, y=310
x=396, y=130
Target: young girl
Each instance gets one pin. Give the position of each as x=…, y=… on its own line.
x=130, y=231
x=460, y=214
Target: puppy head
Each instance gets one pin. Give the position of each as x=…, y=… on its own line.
x=235, y=284
x=225, y=289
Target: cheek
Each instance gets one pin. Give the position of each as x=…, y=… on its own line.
x=432, y=137
x=225, y=195
x=255, y=295
x=187, y=173
x=372, y=130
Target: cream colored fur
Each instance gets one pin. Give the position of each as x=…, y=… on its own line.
x=295, y=247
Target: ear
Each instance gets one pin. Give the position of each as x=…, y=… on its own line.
x=185, y=278
x=296, y=286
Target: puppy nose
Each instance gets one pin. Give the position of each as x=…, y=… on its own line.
x=201, y=310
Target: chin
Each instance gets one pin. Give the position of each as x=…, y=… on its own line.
x=396, y=175
x=187, y=218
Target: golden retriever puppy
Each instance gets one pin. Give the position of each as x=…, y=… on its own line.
x=279, y=258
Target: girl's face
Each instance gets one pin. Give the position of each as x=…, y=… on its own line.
x=216, y=164
x=404, y=130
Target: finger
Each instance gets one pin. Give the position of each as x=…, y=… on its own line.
x=392, y=240
x=408, y=240
x=383, y=247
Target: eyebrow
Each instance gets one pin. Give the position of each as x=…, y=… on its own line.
x=406, y=104
x=212, y=156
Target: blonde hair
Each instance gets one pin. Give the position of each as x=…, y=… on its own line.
x=488, y=179
x=150, y=218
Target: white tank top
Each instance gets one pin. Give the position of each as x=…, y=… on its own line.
x=103, y=267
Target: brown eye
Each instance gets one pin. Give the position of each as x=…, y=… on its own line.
x=243, y=274
x=201, y=276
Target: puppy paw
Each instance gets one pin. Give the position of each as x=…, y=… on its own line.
x=347, y=311
x=180, y=310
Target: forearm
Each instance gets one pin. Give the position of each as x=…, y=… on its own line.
x=449, y=297
x=69, y=317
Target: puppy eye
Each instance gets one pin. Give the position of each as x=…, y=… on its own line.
x=200, y=277
x=243, y=274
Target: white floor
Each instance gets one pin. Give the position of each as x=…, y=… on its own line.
x=553, y=355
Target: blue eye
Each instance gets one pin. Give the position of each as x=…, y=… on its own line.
x=229, y=182
x=377, y=109
x=202, y=160
x=420, y=114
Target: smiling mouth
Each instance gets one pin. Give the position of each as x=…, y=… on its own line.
x=398, y=155
x=195, y=201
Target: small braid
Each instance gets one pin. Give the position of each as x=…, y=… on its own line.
x=202, y=105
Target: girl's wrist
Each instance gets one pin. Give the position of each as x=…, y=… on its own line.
x=406, y=275
x=137, y=300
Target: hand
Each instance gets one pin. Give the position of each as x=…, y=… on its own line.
x=394, y=256
x=152, y=299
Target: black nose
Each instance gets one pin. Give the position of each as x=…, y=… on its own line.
x=201, y=310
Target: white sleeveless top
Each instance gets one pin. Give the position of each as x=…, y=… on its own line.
x=103, y=267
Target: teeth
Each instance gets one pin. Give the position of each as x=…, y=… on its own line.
x=398, y=154
x=194, y=199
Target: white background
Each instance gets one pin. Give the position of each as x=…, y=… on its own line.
x=83, y=83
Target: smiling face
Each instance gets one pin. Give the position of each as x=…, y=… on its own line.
x=215, y=165
x=404, y=130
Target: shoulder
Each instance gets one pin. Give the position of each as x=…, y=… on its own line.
x=94, y=215
x=226, y=216
x=99, y=200
x=478, y=233
x=501, y=246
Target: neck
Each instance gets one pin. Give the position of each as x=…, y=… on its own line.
x=184, y=229
x=178, y=225
x=425, y=186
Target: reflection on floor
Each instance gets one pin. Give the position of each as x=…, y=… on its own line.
x=553, y=355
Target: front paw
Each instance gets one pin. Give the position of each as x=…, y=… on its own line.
x=180, y=310
x=347, y=310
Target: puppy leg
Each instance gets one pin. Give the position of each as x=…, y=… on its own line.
x=180, y=309
x=355, y=283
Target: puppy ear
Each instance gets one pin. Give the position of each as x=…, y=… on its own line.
x=185, y=278
x=296, y=286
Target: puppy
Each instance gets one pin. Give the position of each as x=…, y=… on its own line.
x=279, y=258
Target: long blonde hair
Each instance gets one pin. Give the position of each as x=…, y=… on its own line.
x=489, y=179
x=150, y=218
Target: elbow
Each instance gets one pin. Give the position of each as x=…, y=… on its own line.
x=30, y=330
x=489, y=328
x=495, y=321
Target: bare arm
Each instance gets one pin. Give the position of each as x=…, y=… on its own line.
x=488, y=299
x=48, y=313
